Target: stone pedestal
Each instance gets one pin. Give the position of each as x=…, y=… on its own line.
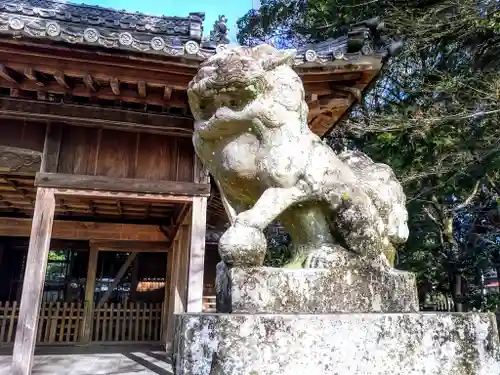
x=369, y=288
x=337, y=344
x=359, y=320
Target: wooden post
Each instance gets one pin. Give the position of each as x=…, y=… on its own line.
x=166, y=299
x=88, y=313
x=177, y=301
x=197, y=255
x=197, y=243
x=34, y=278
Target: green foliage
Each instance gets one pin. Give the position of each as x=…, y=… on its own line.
x=432, y=115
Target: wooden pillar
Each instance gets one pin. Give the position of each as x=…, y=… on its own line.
x=88, y=313
x=177, y=301
x=197, y=242
x=197, y=255
x=34, y=278
x=168, y=277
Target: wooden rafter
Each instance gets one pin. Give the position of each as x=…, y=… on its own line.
x=9, y=74
x=141, y=89
x=60, y=77
x=89, y=82
x=102, y=68
x=104, y=93
x=115, y=85
x=34, y=76
x=167, y=93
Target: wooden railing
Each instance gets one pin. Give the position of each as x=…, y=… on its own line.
x=61, y=322
x=128, y=322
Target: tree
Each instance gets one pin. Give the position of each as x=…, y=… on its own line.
x=432, y=115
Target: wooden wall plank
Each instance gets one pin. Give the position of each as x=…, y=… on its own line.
x=34, y=278
x=78, y=150
x=185, y=160
x=156, y=165
x=23, y=134
x=113, y=153
x=51, y=148
x=79, y=230
x=116, y=154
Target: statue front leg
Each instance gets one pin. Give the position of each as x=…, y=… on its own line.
x=269, y=206
x=244, y=243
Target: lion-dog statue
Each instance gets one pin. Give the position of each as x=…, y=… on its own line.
x=252, y=135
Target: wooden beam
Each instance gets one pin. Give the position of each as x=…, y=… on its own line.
x=61, y=79
x=89, y=82
x=143, y=197
x=51, y=147
x=19, y=160
x=128, y=246
x=34, y=279
x=8, y=74
x=82, y=115
x=34, y=76
x=88, y=315
x=133, y=185
x=141, y=89
x=115, y=85
x=117, y=279
x=84, y=231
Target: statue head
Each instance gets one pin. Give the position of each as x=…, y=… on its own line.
x=234, y=77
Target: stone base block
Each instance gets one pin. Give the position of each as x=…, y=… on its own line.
x=337, y=344
x=361, y=288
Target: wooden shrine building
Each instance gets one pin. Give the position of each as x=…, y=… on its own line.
x=104, y=226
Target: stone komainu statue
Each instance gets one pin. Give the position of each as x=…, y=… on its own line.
x=251, y=133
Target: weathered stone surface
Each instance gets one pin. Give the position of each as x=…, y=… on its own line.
x=251, y=133
x=340, y=344
x=358, y=287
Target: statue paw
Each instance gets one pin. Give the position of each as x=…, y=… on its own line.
x=328, y=256
x=243, y=246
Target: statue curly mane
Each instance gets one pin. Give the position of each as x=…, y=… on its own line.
x=246, y=74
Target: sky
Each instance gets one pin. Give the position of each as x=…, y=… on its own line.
x=232, y=9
